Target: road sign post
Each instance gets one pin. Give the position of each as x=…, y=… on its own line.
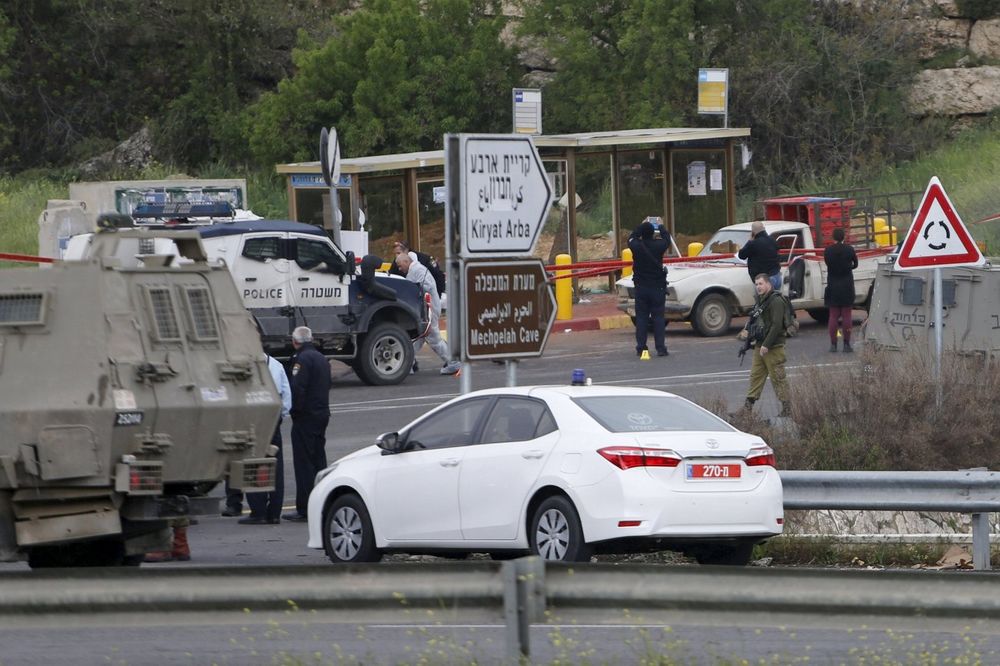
x=937, y=238
x=498, y=197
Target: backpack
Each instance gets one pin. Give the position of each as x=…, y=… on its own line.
x=790, y=322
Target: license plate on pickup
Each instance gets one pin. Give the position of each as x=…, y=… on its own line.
x=710, y=471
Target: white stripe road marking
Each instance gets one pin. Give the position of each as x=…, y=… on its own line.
x=503, y=626
x=721, y=377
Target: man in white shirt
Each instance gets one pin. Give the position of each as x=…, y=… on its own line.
x=418, y=273
x=265, y=508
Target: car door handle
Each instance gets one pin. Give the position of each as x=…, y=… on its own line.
x=250, y=279
x=301, y=279
x=532, y=455
x=450, y=462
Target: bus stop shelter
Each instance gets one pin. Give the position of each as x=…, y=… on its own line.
x=686, y=176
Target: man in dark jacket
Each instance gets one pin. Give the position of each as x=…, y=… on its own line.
x=841, y=260
x=650, y=282
x=761, y=254
x=769, y=347
x=310, y=416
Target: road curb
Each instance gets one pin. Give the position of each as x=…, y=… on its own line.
x=592, y=324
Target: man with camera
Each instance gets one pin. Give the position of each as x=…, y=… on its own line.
x=649, y=242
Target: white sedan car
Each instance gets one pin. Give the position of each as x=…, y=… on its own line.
x=560, y=471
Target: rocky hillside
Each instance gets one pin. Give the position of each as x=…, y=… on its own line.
x=964, y=52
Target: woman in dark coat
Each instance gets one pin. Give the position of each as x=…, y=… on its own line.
x=841, y=260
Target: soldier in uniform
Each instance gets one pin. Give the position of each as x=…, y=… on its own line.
x=310, y=415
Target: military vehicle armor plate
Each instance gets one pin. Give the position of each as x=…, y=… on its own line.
x=130, y=384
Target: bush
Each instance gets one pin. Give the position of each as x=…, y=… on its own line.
x=883, y=415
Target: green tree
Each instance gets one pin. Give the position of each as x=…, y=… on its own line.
x=88, y=73
x=396, y=76
x=620, y=65
x=7, y=35
x=821, y=84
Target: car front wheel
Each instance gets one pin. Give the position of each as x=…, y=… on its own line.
x=555, y=532
x=347, y=532
x=385, y=355
x=712, y=316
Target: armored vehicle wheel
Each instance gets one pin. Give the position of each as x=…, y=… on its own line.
x=348, y=535
x=711, y=315
x=730, y=554
x=385, y=355
x=102, y=553
x=821, y=315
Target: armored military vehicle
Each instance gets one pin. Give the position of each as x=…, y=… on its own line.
x=902, y=310
x=130, y=385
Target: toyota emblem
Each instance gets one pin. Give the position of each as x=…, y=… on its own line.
x=712, y=444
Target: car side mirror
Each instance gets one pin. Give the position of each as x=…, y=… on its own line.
x=389, y=442
x=350, y=263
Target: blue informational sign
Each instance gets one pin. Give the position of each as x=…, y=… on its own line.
x=307, y=180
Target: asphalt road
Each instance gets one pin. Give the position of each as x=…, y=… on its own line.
x=697, y=368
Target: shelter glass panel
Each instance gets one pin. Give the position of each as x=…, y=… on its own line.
x=699, y=194
x=309, y=206
x=594, y=208
x=382, y=202
x=640, y=177
x=554, y=237
x=431, y=216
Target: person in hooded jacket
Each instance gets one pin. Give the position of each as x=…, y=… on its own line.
x=650, y=280
x=841, y=260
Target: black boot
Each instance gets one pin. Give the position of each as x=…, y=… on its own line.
x=748, y=405
x=786, y=408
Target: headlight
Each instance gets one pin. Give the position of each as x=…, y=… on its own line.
x=322, y=474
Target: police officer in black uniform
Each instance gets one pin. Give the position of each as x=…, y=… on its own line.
x=310, y=416
x=649, y=242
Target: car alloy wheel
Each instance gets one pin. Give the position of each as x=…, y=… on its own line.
x=348, y=535
x=552, y=535
x=556, y=534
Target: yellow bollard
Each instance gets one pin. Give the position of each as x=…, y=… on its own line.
x=881, y=229
x=694, y=249
x=564, y=289
x=627, y=258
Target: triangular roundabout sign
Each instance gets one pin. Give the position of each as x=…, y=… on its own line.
x=937, y=236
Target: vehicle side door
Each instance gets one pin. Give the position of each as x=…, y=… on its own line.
x=260, y=269
x=320, y=276
x=498, y=473
x=416, y=491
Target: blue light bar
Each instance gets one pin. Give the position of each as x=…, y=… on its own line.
x=184, y=209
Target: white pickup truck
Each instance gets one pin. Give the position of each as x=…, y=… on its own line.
x=711, y=291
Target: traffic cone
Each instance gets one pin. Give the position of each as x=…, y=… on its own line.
x=645, y=355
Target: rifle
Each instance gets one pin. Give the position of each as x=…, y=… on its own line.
x=747, y=335
x=746, y=345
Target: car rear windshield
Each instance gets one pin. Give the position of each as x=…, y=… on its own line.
x=650, y=413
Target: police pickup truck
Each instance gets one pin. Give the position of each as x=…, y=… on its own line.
x=291, y=274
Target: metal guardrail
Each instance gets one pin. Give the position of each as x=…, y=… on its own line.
x=970, y=491
x=516, y=594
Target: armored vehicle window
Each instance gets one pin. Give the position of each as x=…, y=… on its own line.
x=164, y=317
x=21, y=309
x=311, y=255
x=261, y=249
x=199, y=303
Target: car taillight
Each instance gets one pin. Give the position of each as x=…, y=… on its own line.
x=760, y=456
x=627, y=457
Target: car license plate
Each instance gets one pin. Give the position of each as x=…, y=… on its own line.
x=708, y=471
